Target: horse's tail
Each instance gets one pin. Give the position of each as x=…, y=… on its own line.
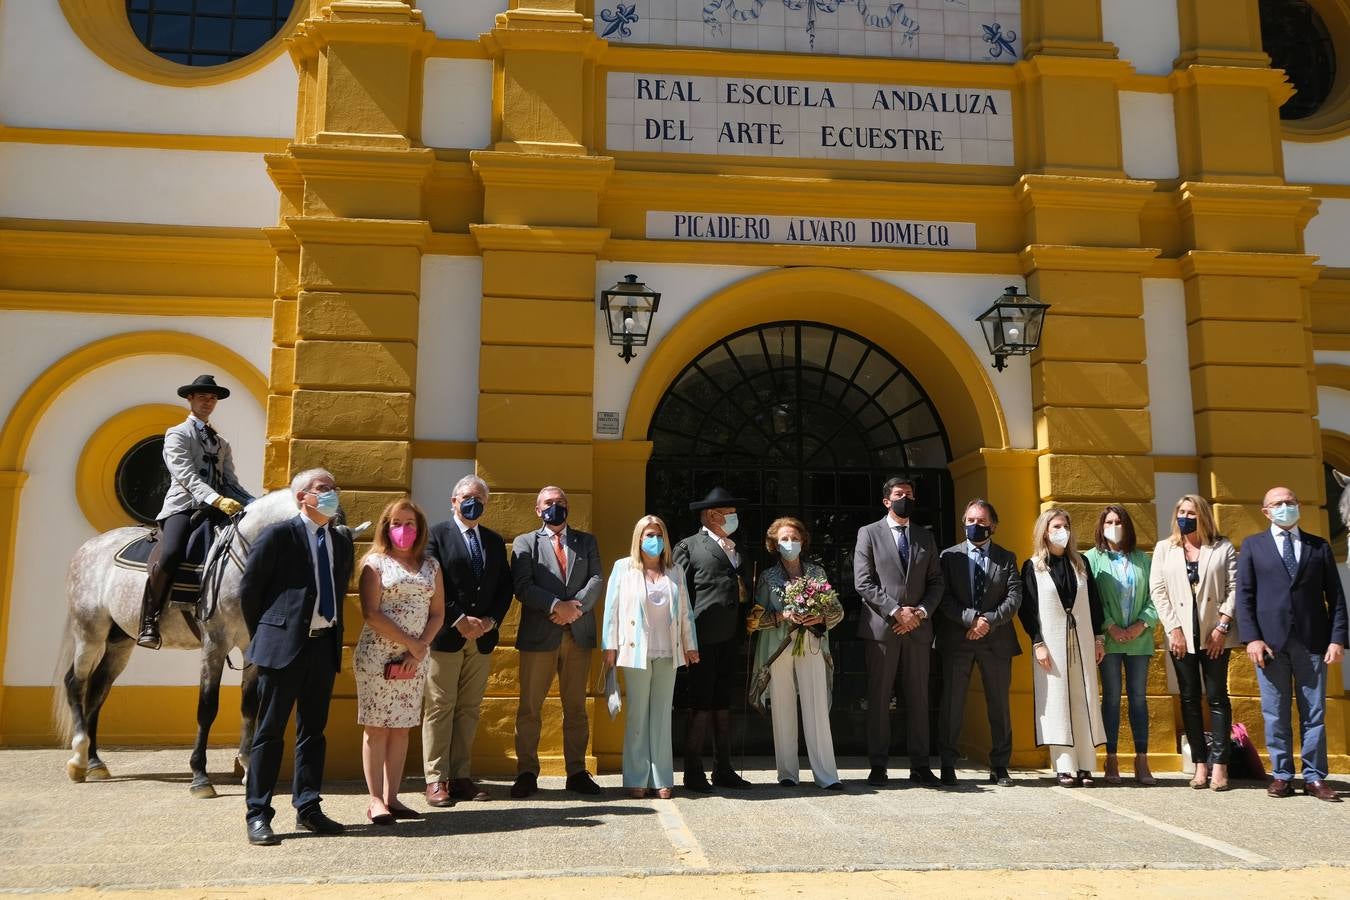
x=62, y=719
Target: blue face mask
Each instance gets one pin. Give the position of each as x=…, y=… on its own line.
x=789, y=550
x=976, y=532
x=327, y=505
x=1187, y=524
x=730, y=523
x=652, y=545
x=1285, y=515
x=470, y=509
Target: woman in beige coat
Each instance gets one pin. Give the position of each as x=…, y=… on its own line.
x=1193, y=582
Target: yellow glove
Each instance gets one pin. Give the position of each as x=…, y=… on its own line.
x=227, y=506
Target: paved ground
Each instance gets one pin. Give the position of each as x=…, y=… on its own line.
x=141, y=830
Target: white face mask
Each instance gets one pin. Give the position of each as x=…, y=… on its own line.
x=729, y=523
x=1113, y=533
x=789, y=550
x=1060, y=538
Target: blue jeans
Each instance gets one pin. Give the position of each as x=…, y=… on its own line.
x=1136, y=686
x=1295, y=673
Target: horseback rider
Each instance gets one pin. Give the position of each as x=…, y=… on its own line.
x=201, y=482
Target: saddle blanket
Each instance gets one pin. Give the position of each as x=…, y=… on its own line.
x=187, y=582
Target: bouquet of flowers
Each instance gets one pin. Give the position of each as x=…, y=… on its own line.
x=807, y=597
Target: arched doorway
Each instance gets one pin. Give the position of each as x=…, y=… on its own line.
x=808, y=420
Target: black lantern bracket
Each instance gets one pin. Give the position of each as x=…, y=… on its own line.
x=1013, y=325
x=629, y=307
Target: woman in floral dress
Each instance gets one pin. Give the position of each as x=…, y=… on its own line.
x=403, y=604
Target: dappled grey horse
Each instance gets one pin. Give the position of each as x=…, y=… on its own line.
x=104, y=616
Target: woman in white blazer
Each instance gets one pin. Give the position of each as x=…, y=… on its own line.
x=649, y=633
x=1193, y=582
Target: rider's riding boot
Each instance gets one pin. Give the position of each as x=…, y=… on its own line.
x=157, y=586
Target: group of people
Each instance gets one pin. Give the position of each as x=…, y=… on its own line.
x=433, y=599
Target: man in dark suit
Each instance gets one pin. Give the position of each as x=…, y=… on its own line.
x=897, y=574
x=982, y=592
x=718, y=578
x=477, y=595
x=291, y=595
x=1291, y=615
x=558, y=581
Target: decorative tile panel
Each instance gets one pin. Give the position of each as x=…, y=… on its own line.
x=808, y=119
x=967, y=30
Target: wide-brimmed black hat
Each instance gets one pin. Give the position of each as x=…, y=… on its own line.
x=717, y=498
x=204, y=384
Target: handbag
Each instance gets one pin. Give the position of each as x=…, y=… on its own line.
x=759, y=682
x=393, y=671
x=607, y=685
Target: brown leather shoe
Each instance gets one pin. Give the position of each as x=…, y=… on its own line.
x=1321, y=790
x=438, y=795
x=464, y=789
x=1279, y=788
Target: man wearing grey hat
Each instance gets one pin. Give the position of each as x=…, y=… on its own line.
x=717, y=575
x=201, y=480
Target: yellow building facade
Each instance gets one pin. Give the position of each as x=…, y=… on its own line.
x=388, y=227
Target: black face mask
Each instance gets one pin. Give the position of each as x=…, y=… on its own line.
x=977, y=533
x=904, y=507
x=555, y=514
x=470, y=508
x=1187, y=524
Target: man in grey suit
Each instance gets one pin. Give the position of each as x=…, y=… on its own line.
x=974, y=626
x=201, y=483
x=556, y=571
x=897, y=574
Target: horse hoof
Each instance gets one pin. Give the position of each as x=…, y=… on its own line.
x=97, y=773
x=202, y=791
x=76, y=772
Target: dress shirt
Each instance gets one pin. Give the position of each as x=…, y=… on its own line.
x=551, y=545
x=312, y=531
x=732, y=555
x=979, y=556
x=1278, y=533
x=464, y=529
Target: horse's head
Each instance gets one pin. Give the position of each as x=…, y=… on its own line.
x=270, y=508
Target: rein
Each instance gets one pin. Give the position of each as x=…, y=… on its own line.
x=214, y=574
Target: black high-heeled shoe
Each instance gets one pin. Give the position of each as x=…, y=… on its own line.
x=1065, y=780
x=1084, y=778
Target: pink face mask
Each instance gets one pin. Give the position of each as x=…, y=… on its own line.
x=403, y=536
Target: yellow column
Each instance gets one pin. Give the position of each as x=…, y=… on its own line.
x=1089, y=381
x=349, y=250
x=1247, y=301
x=537, y=360
x=11, y=485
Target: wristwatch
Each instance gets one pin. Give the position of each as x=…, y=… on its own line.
x=921, y=613
x=1224, y=626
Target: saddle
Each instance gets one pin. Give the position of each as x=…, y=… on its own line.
x=187, y=581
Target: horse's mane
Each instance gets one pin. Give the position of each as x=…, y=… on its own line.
x=270, y=508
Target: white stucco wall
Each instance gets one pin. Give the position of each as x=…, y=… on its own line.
x=1328, y=234
x=457, y=103
x=958, y=298
x=1145, y=31
x=1148, y=134
x=52, y=527
x=1171, y=411
x=50, y=79
x=30, y=342
x=448, y=337
x=1318, y=162
x=433, y=482
x=464, y=19
x=122, y=184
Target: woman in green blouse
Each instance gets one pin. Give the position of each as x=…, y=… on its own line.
x=1121, y=572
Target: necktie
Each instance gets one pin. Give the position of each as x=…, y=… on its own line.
x=1290, y=563
x=327, y=609
x=210, y=433
x=475, y=552
x=560, y=552
x=977, y=588
x=902, y=546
